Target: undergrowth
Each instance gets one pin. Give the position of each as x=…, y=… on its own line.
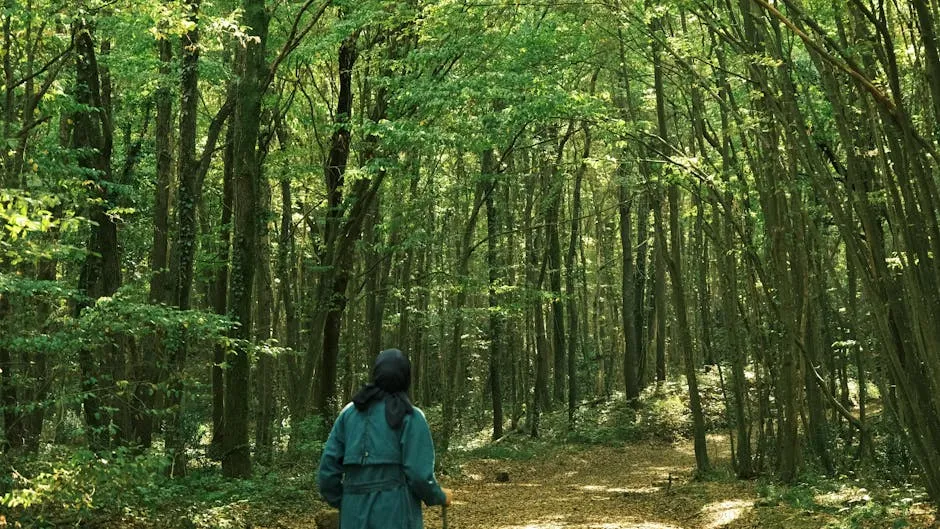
x=847, y=502
x=69, y=487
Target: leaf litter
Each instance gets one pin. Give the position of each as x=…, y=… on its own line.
x=641, y=485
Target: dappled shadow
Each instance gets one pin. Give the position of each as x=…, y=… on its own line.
x=624, y=487
x=592, y=524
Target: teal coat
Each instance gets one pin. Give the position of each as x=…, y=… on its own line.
x=377, y=476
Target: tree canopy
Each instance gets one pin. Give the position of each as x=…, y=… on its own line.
x=214, y=214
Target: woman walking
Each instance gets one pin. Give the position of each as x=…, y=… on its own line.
x=378, y=463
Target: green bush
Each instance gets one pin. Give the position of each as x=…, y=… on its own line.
x=666, y=418
x=523, y=449
x=72, y=488
x=79, y=486
x=307, y=440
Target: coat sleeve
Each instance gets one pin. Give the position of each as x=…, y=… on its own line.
x=330, y=474
x=418, y=459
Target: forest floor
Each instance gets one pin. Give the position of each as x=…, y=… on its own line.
x=629, y=487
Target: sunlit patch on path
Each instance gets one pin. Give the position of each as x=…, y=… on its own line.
x=623, y=524
x=722, y=513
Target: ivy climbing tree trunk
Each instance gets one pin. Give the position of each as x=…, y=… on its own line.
x=220, y=290
x=264, y=293
x=236, y=456
x=183, y=250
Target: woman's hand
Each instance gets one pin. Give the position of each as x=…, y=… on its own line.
x=449, y=497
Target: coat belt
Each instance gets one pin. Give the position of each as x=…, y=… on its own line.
x=373, y=486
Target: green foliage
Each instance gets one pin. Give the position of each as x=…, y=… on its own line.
x=667, y=417
x=515, y=448
x=661, y=413
x=848, y=503
x=76, y=488
x=27, y=222
x=102, y=323
x=76, y=485
x=307, y=440
x=459, y=79
x=608, y=423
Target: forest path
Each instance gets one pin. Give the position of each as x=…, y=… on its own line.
x=624, y=487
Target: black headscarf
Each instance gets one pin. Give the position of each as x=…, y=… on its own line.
x=391, y=377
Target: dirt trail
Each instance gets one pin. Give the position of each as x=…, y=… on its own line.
x=625, y=487
x=600, y=488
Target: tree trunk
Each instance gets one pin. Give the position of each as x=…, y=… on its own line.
x=220, y=292
x=454, y=365
x=570, y=276
x=685, y=336
x=702, y=290
x=630, y=351
x=555, y=189
x=674, y=263
x=159, y=280
x=743, y=464
x=659, y=288
x=333, y=287
x=640, y=307
x=264, y=294
x=101, y=271
x=183, y=250
x=497, y=322
x=236, y=457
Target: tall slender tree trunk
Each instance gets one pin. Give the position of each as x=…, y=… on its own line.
x=701, y=276
x=542, y=397
x=497, y=323
x=743, y=464
x=630, y=351
x=236, y=457
x=333, y=286
x=659, y=288
x=555, y=190
x=454, y=365
x=101, y=270
x=674, y=263
x=183, y=251
x=267, y=365
x=220, y=292
x=813, y=306
x=640, y=307
x=685, y=335
x=514, y=331
x=570, y=277
x=145, y=391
